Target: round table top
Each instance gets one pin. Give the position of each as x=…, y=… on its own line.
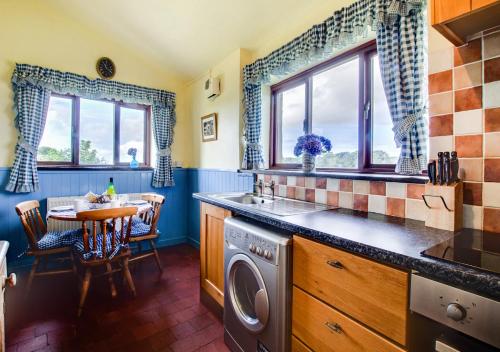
x=69, y=214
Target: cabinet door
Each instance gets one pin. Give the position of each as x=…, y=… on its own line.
x=477, y=4
x=212, y=250
x=445, y=10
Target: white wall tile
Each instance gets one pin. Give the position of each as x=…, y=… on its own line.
x=345, y=200
x=376, y=204
x=439, y=144
x=300, y=193
x=332, y=184
x=320, y=196
x=395, y=190
x=260, y=177
x=492, y=144
x=291, y=180
x=282, y=191
x=468, y=122
x=473, y=216
x=275, y=178
x=361, y=187
x=441, y=60
x=415, y=209
x=492, y=95
x=491, y=194
x=310, y=182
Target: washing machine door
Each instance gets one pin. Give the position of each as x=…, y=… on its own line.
x=247, y=292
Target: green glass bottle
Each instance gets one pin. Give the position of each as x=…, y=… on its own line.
x=111, y=188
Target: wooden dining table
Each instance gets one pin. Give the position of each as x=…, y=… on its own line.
x=69, y=214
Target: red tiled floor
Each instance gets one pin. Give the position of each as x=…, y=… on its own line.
x=166, y=315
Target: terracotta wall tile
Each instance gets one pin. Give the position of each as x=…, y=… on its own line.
x=310, y=195
x=492, y=120
x=473, y=193
x=491, y=170
x=471, y=169
x=469, y=99
x=466, y=76
x=396, y=207
x=441, y=125
x=360, y=202
x=492, y=70
x=377, y=188
x=440, y=82
x=282, y=180
x=492, y=144
x=300, y=182
x=414, y=191
x=332, y=198
x=346, y=185
x=492, y=45
x=267, y=178
x=440, y=104
x=467, y=53
x=469, y=146
x=290, y=192
x=490, y=219
x=321, y=183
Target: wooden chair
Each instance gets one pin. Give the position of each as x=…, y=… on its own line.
x=40, y=245
x=150, y=219
x=103, y=246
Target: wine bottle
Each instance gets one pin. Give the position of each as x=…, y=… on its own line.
x=111, y=188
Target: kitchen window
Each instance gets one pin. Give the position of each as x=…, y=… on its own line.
x=342, y=99
x=87, y=132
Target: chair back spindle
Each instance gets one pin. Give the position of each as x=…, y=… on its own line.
x=31, y=219
x=151, y=218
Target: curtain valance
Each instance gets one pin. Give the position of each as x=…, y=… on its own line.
x=72, y=83
x=347, y=26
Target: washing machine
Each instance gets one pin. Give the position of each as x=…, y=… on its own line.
x=257, y=288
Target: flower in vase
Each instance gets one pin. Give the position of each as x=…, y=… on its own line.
x=313, y=144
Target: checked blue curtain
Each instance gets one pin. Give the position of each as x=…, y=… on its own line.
x=32, y=86
x=400, y=28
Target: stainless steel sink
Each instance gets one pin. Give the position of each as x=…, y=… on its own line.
x=277, y=206
x=248, y=199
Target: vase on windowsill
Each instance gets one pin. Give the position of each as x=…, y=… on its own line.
x=134, y=164
x=308, y=162
x=310, y=146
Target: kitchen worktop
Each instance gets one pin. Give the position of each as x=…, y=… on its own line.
x=389, y=240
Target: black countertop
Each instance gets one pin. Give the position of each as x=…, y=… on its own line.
x=386, y=239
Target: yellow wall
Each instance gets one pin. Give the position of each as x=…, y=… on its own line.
x=34, y=33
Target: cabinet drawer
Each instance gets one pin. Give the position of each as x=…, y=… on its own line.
x=323, y=328
x=375, y=294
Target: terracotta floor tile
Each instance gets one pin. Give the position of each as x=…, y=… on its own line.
x=166, y=315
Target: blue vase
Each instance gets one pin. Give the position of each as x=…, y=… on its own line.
x=134, y=164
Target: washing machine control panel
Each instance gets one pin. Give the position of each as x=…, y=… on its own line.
x=258, y=246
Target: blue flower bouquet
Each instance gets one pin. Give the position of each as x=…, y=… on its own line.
x=310, y=146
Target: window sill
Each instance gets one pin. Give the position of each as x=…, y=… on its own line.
x=387, y=177
x=92, y=168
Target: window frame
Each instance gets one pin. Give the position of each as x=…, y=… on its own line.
x=75, y=135
x=365, y=53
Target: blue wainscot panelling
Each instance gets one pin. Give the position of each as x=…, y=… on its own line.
x=211, y=181
x=173, y=223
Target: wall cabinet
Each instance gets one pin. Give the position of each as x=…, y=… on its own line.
x=459, y=19
x=212, y=251
x=341, y=299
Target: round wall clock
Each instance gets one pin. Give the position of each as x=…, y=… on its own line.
x=105, y=68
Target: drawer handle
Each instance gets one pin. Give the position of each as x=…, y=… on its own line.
x=334, y=327
x=335, y=264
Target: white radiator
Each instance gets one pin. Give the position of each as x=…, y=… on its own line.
x=58, y=225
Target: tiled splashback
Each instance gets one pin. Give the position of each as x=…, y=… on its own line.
x=464, y=106
x=388, y=198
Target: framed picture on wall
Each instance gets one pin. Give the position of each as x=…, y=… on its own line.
x=209, y=127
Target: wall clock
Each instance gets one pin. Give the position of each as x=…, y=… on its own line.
x=105, y=68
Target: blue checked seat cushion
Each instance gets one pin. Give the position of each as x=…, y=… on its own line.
x=80, y=248
x=139, y=228
x=59, y=239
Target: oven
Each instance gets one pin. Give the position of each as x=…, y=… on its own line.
x=447, y=319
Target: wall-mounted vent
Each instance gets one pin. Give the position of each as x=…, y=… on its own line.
x=212, y=88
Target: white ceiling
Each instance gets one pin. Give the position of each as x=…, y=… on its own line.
x=190, y=36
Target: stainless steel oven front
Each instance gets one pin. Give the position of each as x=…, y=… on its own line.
x=447, y=319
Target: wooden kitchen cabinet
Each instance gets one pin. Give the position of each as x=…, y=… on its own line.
x=368, y=301
x=457, y=20
x=212, y=251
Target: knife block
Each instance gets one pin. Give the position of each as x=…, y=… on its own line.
x=444, y=206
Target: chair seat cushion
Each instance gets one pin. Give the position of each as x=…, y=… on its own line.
x=59, y=239
x=80, y=248
x=139, y=228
